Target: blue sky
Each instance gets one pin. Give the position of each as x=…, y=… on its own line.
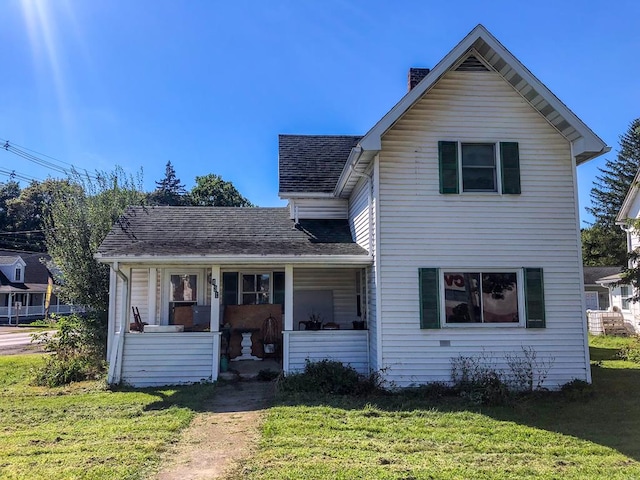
x=209, y=85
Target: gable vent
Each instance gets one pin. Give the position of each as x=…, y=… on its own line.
x=472, y=64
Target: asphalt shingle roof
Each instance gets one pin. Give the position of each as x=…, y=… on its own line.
x=204, y=231
x=592, y=274
x=312, y=163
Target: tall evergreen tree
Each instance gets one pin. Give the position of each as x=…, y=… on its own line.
x=607, y=196
x=169, y=190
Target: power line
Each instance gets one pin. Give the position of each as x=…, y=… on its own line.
x=56, y=167
x=22, y=232
x=12, y=174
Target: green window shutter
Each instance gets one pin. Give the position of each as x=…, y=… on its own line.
x=429, y=298
x=278, y=288
x=448, y=159
x=534, y=297
x=510, y=166
x=230, y=288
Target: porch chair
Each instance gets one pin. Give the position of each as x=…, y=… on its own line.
x=138, y=324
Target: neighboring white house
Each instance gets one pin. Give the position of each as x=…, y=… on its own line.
x=596, y=294
x=24, y=281
x=628, y=215
x=451, y=228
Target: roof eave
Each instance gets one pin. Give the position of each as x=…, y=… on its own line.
x=290, y=195
x=335, y=260
x=623, y=215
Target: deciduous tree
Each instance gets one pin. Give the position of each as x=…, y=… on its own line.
x=212, y=191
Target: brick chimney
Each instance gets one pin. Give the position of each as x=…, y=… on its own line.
x=416, y=75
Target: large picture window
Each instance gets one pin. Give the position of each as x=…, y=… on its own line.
x=477, y=297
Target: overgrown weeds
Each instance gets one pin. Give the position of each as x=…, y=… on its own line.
x=631, y=351
x=479, y=379
x=330, y=377
x=77, y=350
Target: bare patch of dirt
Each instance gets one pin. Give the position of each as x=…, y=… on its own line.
x=222, y=436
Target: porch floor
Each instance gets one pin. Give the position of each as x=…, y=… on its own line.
x=248, y=369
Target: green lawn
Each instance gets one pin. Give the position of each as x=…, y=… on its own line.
x=408, y=438
x=86, y=431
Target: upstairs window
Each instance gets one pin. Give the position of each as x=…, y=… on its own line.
x=479, y=167
x=18, y=274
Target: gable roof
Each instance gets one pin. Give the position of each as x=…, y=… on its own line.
x=312, y=163
x=228, y=234
x=593, y=274
x=9, y=259
x=487, y=50
x=35, y=276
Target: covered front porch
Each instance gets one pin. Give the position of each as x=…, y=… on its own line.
x=200, y=320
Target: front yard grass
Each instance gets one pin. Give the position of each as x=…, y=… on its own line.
x=403, y=437
x=86, y=430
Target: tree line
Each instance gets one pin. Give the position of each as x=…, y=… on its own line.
x=603, y=242
x=23, y=211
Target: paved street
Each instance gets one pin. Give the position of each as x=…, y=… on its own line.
x=12, y=339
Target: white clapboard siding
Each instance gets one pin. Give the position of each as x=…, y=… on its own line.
x=347, y=346
x=359, y=213
x=341, y=281
x=140, y=292
x=152, y=359
x=419, y=227
x=319, y=208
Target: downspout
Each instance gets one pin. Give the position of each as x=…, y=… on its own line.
x=369, y=178
x=115, y=362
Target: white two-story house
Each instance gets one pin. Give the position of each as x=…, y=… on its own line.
x=449, y=228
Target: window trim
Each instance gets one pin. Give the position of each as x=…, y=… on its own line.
x=520, y=289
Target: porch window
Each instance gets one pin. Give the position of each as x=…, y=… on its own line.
x=183, y=295
x=256, y=288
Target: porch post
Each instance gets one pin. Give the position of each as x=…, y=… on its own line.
x=10, y=307
x=151, y=299
x=288, y=297
x=215, y=298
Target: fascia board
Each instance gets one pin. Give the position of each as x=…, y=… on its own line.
x=286, y=196
x=239, y=259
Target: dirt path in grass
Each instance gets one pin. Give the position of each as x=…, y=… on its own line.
x=221, y=436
